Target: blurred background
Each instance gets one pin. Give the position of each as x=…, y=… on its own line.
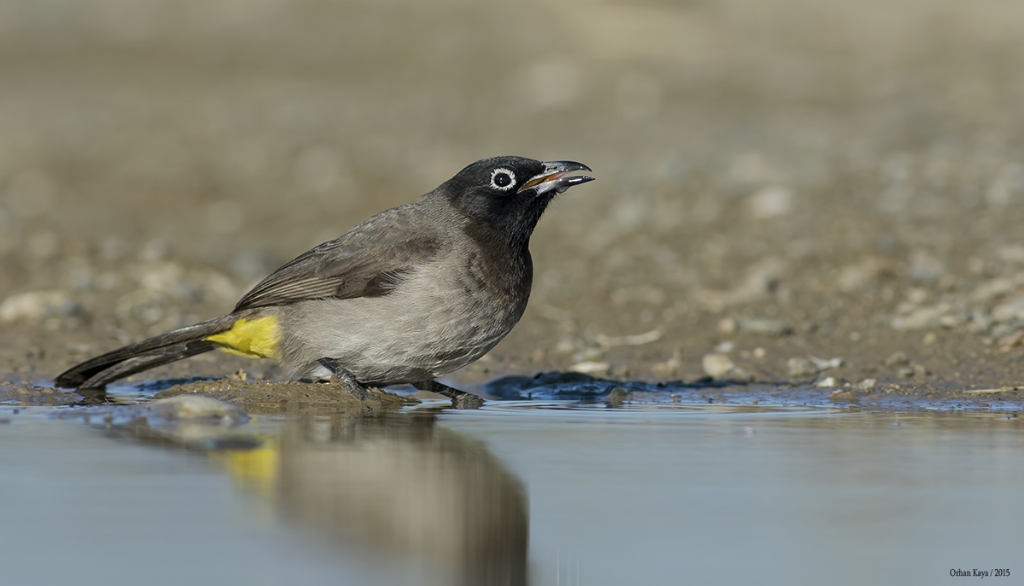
x=789, y=176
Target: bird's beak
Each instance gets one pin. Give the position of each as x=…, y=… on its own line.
x=553, y=178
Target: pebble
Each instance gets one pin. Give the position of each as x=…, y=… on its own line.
x=728, y=326
x=715, y=365
x=1011, y=340
x=868, y=384
x=800, y=366
x=590, y=367
x=666, y=368
x=1010, y=309
x=758, y=326
x=905, y=372
x=34, y=305
x=827, y=382
x=826, y=364
x=765, y=327
x=721, y=367
x=897, y=359
x=771, y=202
x=922, y=318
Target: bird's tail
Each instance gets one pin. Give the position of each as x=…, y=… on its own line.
x=169, y=347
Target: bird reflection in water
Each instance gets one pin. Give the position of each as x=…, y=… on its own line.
x=397, y=485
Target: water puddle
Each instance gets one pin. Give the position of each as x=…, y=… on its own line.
x=544, y=492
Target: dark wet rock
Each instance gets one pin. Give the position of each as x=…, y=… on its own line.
x=549, y=384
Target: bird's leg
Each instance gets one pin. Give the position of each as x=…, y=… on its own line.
x=345, y=378
x=460, y=399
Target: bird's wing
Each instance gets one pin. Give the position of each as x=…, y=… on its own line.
x=368, y=261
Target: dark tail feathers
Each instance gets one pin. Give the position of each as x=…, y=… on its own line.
x=98, y=372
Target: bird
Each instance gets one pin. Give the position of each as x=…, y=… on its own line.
x=409, y=295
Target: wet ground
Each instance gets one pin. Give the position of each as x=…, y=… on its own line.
x=785, y=326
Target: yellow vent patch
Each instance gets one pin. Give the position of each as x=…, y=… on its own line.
x=255, y=338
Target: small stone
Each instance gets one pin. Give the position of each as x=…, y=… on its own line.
x=1010, y=340
x=35, y=305
x=827, y=382
x=721, y=367
x=715, y=365
x=897, y=359
x=800, y=366
x=867, y=384
x=739, y=375
x=590, y=367
x=922, y=318
x=929, y=338
x=905, y=372
x=666, y=368
x=1012, y=308
x=826, y=364
x=724, y=347
x=765, y=327
x=771, y=202
x=728, y=326
x=565, y=346
x=759, y=352
x=919, y=370
x=1001, y=330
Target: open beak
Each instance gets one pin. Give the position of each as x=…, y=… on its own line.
x=553, y=178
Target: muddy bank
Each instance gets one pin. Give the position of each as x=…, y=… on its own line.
x=289, y=397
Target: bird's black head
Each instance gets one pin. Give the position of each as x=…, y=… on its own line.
x=509, y=193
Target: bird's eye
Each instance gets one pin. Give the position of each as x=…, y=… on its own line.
x=503, y=179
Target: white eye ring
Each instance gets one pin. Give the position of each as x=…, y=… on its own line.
x=511, y=176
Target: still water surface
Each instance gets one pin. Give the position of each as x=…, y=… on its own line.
x=541, y=493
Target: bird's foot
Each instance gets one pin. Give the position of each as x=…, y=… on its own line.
x=460, y=399
x=346, y=379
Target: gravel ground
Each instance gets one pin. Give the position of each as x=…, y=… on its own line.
x=812, y=191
